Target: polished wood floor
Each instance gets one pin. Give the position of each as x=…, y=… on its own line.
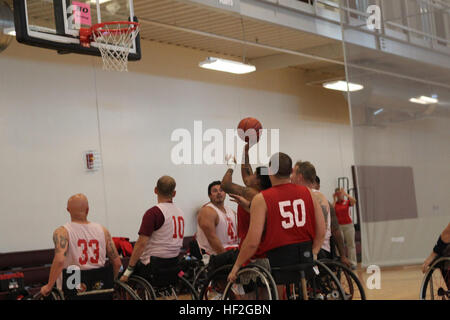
x=397, y=283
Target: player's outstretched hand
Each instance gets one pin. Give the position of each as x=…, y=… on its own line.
x=240, y=200
x=230, y=160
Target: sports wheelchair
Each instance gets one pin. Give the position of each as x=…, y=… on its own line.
x=302, y=281
x=353, y=289
x=95, y=284
x=436, y=282
x=350, y=282
x=161, y=279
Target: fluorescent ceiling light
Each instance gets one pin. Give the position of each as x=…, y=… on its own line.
x=343, y=86
x=429, y=100
x=10, y=31
x=378, y=111
x=416, y=100
x=224, y=65
x=101, y=1
x=424, y=100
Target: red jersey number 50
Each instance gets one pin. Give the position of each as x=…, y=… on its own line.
x=297, y=218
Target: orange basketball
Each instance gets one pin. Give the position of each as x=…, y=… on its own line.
x=247, y=124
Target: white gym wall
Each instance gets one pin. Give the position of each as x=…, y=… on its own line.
x=54, y=108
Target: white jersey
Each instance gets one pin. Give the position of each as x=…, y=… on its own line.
x=86, y=247
x=226, y=230
x=326, y=242
x=167, y=241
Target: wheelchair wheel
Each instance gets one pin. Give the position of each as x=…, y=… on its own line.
x=253, y=282
x=201, y=276
x=325, y=285
x=122, y=291
x=186, y=290
x=350, y=282
x=182, y=290
x=55, y=294
x=213, y=287
x=142, y=288
x=436, y=282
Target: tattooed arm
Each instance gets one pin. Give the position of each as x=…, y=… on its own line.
x=232, y=188
x=61, y=241
x=112, y=254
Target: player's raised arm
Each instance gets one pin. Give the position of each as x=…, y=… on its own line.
x=246, y=168
x=229, y=187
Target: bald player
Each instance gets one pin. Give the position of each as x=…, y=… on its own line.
x=80, y=243
x=161, y=232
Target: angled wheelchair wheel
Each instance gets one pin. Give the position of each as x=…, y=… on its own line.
x=186, y=290
x=142, y=287
x=436, y=282
x=253, y=282
x=353, y=289
x=201, y=276
x=214, y=286
x=324, y=285
x=181, y=290
x=123, y=291
x=54, y=295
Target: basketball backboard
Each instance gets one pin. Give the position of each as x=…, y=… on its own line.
x=55, y=24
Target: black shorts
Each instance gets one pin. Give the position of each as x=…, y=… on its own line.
x=287, y=256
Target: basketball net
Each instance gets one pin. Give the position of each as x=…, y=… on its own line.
x=114, y=40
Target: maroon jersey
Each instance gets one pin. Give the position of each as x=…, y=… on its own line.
x=290, y=217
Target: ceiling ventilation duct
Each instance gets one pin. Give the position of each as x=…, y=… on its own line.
x=6, y=25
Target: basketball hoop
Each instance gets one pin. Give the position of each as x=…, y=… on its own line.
x=114, y=40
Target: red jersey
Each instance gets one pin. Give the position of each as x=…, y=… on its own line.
x=243, y=218
x=290, y=217
x=342, y=209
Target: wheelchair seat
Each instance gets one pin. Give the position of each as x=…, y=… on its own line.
x=95, y=284
x=286, y=262
x=160, y=272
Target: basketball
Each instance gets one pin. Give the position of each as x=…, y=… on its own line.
x=247, y=124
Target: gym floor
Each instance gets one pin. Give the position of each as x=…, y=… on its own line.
x=397, y=283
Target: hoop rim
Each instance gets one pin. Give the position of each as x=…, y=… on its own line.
x=97, y=26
